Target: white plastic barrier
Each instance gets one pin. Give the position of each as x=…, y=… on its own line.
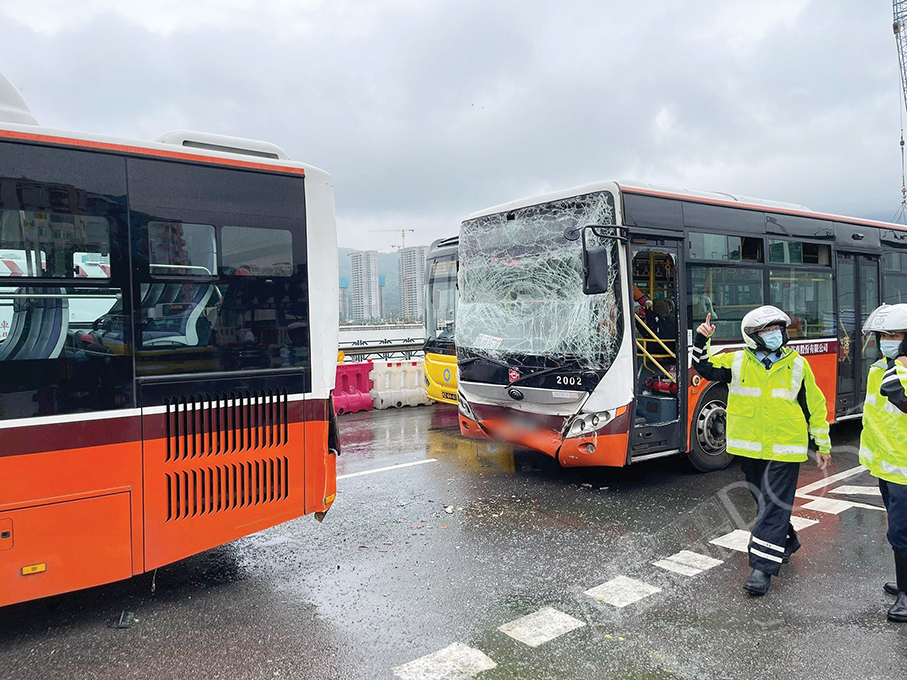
x=398, y=384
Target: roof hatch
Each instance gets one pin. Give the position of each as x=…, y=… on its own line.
x=223, y=143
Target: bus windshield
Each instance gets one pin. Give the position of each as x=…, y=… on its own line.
x=441, y=310
x=522, y=286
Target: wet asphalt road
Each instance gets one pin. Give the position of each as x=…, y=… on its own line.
x=391, y=576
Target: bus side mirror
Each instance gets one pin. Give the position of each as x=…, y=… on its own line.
x=596, y=266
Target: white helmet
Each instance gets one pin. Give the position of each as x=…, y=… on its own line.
x=758, y=319
x=887, y=319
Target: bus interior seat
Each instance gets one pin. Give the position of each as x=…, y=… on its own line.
x=194, y=329
x=161, y=294
x=39, y=327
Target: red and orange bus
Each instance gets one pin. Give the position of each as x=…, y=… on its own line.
x=577, y=311
x=168, y=348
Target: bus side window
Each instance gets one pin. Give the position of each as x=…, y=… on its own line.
x=894, y=280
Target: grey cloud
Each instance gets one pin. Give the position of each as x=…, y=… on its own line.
x=426, y=112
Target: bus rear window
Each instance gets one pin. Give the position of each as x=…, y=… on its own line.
x=251, y=251
x=41, y=244
x=180, y=249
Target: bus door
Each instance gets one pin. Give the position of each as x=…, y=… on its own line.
x=659, y=327
x=858, y=294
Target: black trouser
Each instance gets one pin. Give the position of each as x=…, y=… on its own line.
x=895, y=498
x=773, y=485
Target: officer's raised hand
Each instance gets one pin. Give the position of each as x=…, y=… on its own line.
x=706, y=328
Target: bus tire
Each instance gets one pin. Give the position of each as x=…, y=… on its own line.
x=708, y=450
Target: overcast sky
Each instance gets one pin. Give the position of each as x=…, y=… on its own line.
x=424, y=111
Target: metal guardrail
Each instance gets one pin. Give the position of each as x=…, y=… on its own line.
x=398, y=350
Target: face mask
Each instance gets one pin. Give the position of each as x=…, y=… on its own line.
x=890, y=348
x=773, y=340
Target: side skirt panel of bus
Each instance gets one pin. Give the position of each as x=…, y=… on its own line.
x=70, y=516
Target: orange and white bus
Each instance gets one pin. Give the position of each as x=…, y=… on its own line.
x=577, y=311
x=168, y=349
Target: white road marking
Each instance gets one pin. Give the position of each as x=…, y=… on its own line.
x=822, y=483
x=451, y=663
x=857, y=490
x=738, y=540
x=541, y=626
x=805, y=491
x=800, y=523
x=385, y=469
x=830, y=505
x=688, y=563
x=621, y=591
x=270, y=542
x=677, y=567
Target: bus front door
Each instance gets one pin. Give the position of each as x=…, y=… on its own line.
x=858, y=295
x=660, y=356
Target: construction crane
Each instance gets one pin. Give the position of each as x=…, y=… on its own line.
x=402, y=233
x=900, y=35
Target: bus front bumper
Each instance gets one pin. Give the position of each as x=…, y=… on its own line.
x=605, y=447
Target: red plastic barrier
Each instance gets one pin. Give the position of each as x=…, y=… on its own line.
x=351, y=393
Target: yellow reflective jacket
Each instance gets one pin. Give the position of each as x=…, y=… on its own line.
x=883, y=443
x=765, y=418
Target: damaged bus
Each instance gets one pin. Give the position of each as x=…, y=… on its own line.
x=577, y=311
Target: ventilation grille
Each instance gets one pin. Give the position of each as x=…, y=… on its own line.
x=213, y=424
x=209, y=490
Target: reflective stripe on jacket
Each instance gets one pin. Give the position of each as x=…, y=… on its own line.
x=765, y=418
x=883, y=443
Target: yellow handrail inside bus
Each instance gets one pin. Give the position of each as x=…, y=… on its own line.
x=648, y=356
x=655, y=337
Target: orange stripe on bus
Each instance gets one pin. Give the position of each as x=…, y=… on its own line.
x=160, y=153
x=765, y=208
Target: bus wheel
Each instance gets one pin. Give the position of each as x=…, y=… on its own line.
x=709, y=451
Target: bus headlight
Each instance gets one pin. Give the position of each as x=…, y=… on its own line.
x=586, y=423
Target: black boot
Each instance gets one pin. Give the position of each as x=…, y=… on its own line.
x=898, y=611
x=758, y=584
x=891, y=588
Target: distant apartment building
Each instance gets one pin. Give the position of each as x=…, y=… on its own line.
x=411, y=280
x=345, y=307
x=381, y=296
x=365, y=293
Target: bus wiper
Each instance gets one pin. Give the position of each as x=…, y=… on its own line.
x=470, y=360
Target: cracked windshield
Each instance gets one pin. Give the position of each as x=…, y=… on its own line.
x=522, y=285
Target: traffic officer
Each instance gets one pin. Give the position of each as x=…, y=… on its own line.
x=883, y=443
x=774, y=406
